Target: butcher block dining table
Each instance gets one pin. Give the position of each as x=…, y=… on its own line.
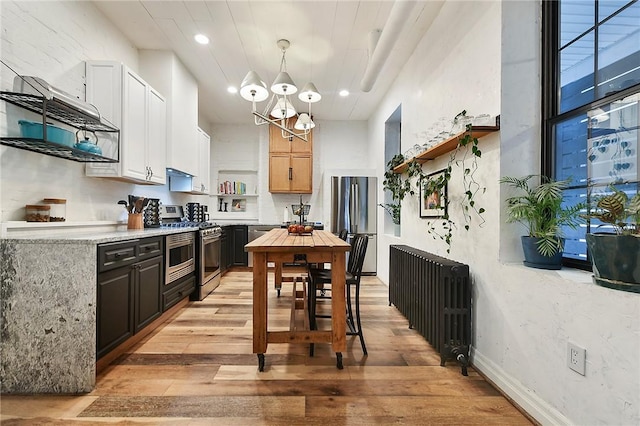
x=279, y=246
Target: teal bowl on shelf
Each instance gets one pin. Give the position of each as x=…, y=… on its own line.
x=58, y=135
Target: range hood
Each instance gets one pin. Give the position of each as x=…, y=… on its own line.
x=36, y=86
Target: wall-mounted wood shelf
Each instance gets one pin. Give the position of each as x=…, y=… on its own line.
x=446, y=146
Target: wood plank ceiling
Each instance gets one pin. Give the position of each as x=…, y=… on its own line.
x=329, y=46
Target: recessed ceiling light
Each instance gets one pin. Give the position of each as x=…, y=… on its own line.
x=344, y=93
x=232, y=89
x=201, y=38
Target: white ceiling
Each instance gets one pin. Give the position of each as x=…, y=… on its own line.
x=329, y=46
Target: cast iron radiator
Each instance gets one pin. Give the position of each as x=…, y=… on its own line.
x=434, y=294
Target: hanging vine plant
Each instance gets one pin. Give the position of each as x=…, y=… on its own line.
x=399, y=187
x=465, y=156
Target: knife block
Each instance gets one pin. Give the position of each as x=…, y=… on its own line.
x=135, y=221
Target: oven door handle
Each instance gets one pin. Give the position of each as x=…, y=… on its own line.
x=209, y=239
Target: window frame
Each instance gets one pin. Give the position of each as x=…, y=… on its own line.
x=550, y=74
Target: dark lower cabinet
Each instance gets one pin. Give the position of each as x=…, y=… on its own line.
x=225, y=249
x=115, y=316
x=178, y=290
x=147, y=298
x=240, y=238
x=129, y=296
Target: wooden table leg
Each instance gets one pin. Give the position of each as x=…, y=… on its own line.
x=277, y=277
x=338, y=303
x=260, y=304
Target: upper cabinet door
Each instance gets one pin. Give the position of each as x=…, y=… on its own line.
x=277, y=143
x=157, y=138
x=134, y=126
x=140, y=112
x=200, y=182
x=302, y=170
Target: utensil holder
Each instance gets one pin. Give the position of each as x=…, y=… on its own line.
x=135, y=221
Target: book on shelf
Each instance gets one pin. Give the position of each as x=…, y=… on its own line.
x=233, y=188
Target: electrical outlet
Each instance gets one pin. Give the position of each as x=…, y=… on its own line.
x=576, y=358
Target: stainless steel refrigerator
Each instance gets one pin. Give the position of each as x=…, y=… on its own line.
x=353, y=207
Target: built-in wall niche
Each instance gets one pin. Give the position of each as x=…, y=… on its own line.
x=236, y=195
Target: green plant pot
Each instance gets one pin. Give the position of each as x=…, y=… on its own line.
x=533, y=259
x=615, y=260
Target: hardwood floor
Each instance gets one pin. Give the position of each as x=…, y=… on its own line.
x=199, y=369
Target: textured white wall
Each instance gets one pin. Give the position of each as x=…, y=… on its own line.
x=74, y=32
x=484, y=57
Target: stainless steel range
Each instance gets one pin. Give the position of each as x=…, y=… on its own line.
x=208, y=249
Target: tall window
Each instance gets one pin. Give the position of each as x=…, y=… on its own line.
x=591, y=95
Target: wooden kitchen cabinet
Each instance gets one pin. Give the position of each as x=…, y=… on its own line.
x=290, y=163
x=140, y=112
x=130, y=281
x=277, y=143
x=290, y=173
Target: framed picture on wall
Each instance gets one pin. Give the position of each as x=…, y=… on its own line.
x=239, y=205
x=433, y=195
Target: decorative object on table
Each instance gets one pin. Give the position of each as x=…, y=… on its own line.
x=220, y=202
x=238, y=205
x=301, y=210
x=297, y=228
x=616, y=256
x=433, y=195
x=226, y=207
x=540, y=208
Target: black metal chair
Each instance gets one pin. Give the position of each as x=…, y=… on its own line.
x=319, y=278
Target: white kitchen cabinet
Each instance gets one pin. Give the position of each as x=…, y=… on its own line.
x=198, y=183
x=131, y=104
x=201, y=182
x=167, y=74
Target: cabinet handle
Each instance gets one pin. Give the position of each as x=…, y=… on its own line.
x=120, y=253
x=290, y=173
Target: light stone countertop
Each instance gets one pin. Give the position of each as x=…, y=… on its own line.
x=97, y=237
x=80, y=232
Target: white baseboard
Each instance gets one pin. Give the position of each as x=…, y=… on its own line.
x=525, y=398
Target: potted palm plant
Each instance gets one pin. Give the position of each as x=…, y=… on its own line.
x=616, y=256
x=539, y=208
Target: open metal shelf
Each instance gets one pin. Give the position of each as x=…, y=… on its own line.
x=59, y=112
x=55, y=150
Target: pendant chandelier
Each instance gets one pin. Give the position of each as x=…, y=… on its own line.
x=279, y=106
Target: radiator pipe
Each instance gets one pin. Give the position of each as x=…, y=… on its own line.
x=462, y=359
